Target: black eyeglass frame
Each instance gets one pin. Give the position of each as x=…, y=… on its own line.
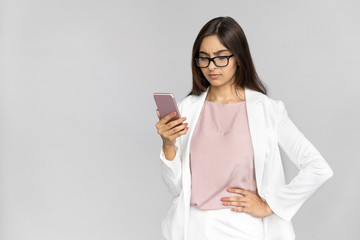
x=213, y=60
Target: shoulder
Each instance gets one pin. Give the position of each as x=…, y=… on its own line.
x=191, y=99
x=256, y=96
x=272, y=105
x=270, y=101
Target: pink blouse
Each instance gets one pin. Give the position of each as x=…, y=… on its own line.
x=221, y=154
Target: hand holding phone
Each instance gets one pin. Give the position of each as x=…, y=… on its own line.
x=170, y=125
x=166, y=104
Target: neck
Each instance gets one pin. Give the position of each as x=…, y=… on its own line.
x=225, y=94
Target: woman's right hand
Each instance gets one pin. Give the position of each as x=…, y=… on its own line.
x=169, y=131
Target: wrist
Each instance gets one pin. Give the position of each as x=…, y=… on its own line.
x=169, y=151
x=268, y=210
x=168, y=146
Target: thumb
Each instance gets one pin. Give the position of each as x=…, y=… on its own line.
x=158, y=114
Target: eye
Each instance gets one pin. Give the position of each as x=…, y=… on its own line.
x=222, y=57
x=203, y=59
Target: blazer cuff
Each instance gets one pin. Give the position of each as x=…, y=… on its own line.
x=170, y=166
x=277, y=208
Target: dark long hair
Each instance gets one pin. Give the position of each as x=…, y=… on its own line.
x=231, y=35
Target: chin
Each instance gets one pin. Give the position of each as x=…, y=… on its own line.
x=216, y=83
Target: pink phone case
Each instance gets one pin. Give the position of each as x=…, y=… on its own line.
x=166, y=104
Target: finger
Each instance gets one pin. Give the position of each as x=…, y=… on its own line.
x=162, y=123
x=237, y=204
x=158, y=113
x=233, y=199
x=175, y=130
x=177, y=133
x=238, y=190
x=171, y=124
x=240, y=209
x=182, y=132
x=165, y=119
x=176, y=122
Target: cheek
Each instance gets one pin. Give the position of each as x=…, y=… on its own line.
x=204, y=71
x=231, y=70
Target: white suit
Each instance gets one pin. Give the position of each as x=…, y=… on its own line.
x=270, y=127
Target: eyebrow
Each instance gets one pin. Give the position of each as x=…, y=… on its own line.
x=215, y=53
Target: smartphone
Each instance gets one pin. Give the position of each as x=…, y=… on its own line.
x=166, y=104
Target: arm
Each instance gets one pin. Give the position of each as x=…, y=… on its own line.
x=171, y=168
x=313, y=169
x=171, y=171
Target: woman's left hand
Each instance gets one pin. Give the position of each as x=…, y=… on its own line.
x=249, y=203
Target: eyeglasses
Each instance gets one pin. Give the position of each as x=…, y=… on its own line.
x=220, y=61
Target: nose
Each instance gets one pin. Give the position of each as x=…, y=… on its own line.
x=212, y=65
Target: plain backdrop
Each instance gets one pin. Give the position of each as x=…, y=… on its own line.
x=79, y=151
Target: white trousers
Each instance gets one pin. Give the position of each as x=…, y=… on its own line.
x=223, y=224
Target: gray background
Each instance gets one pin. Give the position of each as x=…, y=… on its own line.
x=79, y=152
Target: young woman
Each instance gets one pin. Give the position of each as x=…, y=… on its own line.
x=223, y=167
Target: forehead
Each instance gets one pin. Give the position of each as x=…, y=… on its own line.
x=211, y=44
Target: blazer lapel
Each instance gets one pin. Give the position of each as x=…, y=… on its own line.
x=256, y=120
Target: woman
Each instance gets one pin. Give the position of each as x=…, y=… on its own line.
x=223, y=167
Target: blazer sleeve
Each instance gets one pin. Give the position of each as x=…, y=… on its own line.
x=313, y=169
x=171, y=170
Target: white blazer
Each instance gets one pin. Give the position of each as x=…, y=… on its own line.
x=270, y=127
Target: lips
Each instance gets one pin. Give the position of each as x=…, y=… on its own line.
x=213, y=76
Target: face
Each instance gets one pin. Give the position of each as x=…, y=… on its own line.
x=217, y=76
